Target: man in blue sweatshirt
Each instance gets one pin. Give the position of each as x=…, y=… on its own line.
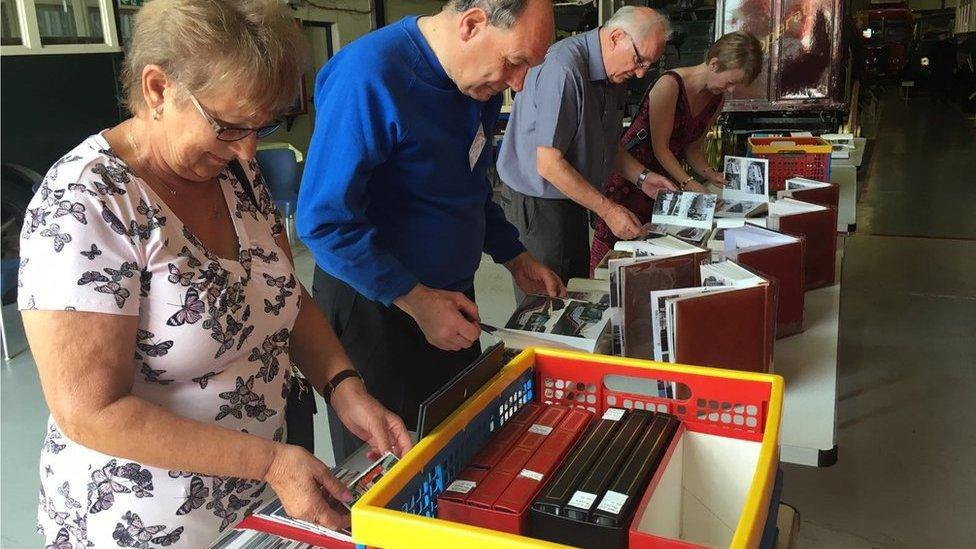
x=395, y=203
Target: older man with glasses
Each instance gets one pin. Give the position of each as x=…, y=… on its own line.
x=563, y=139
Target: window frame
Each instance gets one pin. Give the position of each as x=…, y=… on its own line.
x=31, y=34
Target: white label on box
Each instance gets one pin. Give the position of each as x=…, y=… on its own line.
x=531, y=474
x=614, y=414
x=582, y=500
x=540, y=429
x=613, y=502
x=462, y=486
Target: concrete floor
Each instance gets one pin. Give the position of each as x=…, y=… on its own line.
x=907, y=428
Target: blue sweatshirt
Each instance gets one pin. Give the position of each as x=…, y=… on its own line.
x=389, y=197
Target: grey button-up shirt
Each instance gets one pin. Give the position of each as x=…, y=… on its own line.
x=568, y=104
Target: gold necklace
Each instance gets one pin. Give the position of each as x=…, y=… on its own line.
x=214, y=207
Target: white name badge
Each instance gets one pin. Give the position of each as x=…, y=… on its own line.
x=477, y=146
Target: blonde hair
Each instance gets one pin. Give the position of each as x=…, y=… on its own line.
x=737, y=50
x=253, y=48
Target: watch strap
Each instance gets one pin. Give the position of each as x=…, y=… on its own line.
x=333, y=383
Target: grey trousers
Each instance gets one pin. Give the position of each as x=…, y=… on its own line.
x=556, y=232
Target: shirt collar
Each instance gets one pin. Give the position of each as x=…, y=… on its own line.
x=594, y=54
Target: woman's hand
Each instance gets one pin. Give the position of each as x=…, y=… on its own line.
x=715, y=177
x=366, y=418
x=696, y=187
x=307, y=488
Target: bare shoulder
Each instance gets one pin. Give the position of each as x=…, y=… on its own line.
x=665, y=90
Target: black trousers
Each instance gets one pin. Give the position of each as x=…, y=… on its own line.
x=400, y=368
x=556, y=232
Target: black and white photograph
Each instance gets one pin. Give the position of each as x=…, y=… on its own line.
x=801, y=183
x=757, y=176
x=684, y=209
x=732, y=174
x=729, y=208
x=747, y=179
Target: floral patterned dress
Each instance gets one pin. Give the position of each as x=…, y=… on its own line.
x=212, y=343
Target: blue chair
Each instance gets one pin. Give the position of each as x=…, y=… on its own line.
x=283, y=174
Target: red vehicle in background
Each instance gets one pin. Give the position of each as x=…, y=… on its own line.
x=884, y=38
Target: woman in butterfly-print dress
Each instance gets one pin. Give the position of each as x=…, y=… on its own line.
x=161, y=305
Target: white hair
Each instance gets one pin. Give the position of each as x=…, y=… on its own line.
x=638, y=22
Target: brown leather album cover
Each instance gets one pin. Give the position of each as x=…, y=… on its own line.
x=783, y=263
x=638, y=282
x=819, y=229
x=825, y=196
x=732, y=329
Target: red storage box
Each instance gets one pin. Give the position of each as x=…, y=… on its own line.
x=500, y=498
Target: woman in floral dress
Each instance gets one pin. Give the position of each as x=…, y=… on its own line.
x=161, y=303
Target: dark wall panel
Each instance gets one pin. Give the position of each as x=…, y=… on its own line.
x=50, y=103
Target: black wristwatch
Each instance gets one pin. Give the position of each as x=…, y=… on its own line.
x=331, y=385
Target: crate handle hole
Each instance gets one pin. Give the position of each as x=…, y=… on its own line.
x=643, y=386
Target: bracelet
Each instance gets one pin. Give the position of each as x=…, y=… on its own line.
x=684, y=183
x=640, y=178
x=331, y=385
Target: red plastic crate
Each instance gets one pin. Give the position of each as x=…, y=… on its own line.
x=792, y=157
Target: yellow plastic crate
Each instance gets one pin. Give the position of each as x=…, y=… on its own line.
x=400, y=510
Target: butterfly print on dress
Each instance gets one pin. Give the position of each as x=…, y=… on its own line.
x=74, y=209
x=266, y=256
x=117, y=291
x=145, y=282
x=63, y=490
x=178, y=277
x=117, y=479
x=53, y=172
x=190, y=312
x=111, y=179
x=243, y=400
x=51, y=441
x=93, y=253
x=80, y=188
x=152, y=376
x=114, y=222
x=274, y=345
x=196, y=496
x=284, y=285
x=60, y=239
x=136, y=534
x=191, y=259
x=36, y=218
x=61, y=540
x=204, y=379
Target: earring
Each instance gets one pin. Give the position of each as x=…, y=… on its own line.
x=156, y=113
